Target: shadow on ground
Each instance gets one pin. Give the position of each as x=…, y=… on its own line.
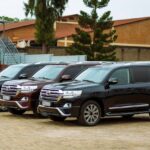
x=104, y=122
x=73, y=121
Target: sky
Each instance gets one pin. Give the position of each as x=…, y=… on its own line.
x=121, y=9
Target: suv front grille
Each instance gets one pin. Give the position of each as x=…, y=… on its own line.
x=10, y=90
x=51, y=95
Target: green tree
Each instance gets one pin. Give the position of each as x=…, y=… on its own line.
x=46, y=13
x=8, y=19
x=95, y=34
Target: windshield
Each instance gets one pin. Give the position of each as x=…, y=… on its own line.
x=11, y=71
x=95, y=75
x=48, y=72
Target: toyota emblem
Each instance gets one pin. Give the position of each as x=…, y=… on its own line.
x=48, y=93
x=7, y=88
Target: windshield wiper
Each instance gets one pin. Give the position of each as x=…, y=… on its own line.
x=44, y=78
x=4, y=77
x=76, y=80
x=33, y=78
x=89, y=81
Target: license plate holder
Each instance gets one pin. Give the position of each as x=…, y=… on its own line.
x=6, y=97
x=46, y=103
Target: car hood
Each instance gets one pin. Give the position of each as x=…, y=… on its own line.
x=15, y=82
x=28, y=82
x=75, y=85
x=4, y=79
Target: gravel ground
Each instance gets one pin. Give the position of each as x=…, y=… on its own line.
x=29, y=133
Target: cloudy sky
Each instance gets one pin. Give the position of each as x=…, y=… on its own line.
x=120, y=9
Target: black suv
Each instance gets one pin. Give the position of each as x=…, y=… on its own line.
x=22, y=95
x=121, y=89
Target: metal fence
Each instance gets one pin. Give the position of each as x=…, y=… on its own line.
x=9, y=55
x=25, y=58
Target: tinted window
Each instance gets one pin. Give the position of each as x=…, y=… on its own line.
x=29, y=71
x=73, y=71
x=141, y=74
x=122, y=75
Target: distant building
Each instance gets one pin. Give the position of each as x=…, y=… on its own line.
x=133, y=41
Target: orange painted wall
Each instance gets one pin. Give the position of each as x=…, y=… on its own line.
x=21, y=33
x=134, y=33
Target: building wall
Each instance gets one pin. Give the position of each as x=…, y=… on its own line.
x=133, y=54
x=72, y=18
x=37, y=50
x=123, y=53
x=134, y=33
x=21, y=33
x=65, y=42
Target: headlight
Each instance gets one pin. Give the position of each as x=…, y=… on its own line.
x=26, y=89
x=71, y=94
x=67, y=105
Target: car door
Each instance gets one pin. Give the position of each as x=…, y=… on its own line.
x=119, y=95
x=141, y=83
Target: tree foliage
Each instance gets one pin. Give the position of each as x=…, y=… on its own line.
x=9, y=19
x=95, y=34
x=46, y=13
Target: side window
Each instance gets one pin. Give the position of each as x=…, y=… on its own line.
x=140, y=74
x=31, y=70
x=122, y=75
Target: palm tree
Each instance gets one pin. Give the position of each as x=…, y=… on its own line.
x=46, y=13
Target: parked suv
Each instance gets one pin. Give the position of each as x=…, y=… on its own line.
x=19, y=71
x=20, y=96
x=121, y=89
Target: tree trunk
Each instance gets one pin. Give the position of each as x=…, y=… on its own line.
x=44, y=48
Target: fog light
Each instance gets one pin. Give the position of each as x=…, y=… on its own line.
x=25, y=99
x=67, y=105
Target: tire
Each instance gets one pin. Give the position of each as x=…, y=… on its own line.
x=34, y=108
x=3, y=109
x=90, y=113
x=127, y=116
x=16, y=111
x=58, y=119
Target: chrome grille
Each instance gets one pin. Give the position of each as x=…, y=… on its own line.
x=10, y=90
x=50, y=95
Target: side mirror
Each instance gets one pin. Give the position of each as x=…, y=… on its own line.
x=113, y=81
x=23, y=76
x=65, y=78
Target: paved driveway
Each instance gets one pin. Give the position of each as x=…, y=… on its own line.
x=28, y=133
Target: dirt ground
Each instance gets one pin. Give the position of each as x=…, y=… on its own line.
x=29, y=133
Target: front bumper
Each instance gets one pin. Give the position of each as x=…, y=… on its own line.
x=54, y=111
x=16, y=101
x=13, y=104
